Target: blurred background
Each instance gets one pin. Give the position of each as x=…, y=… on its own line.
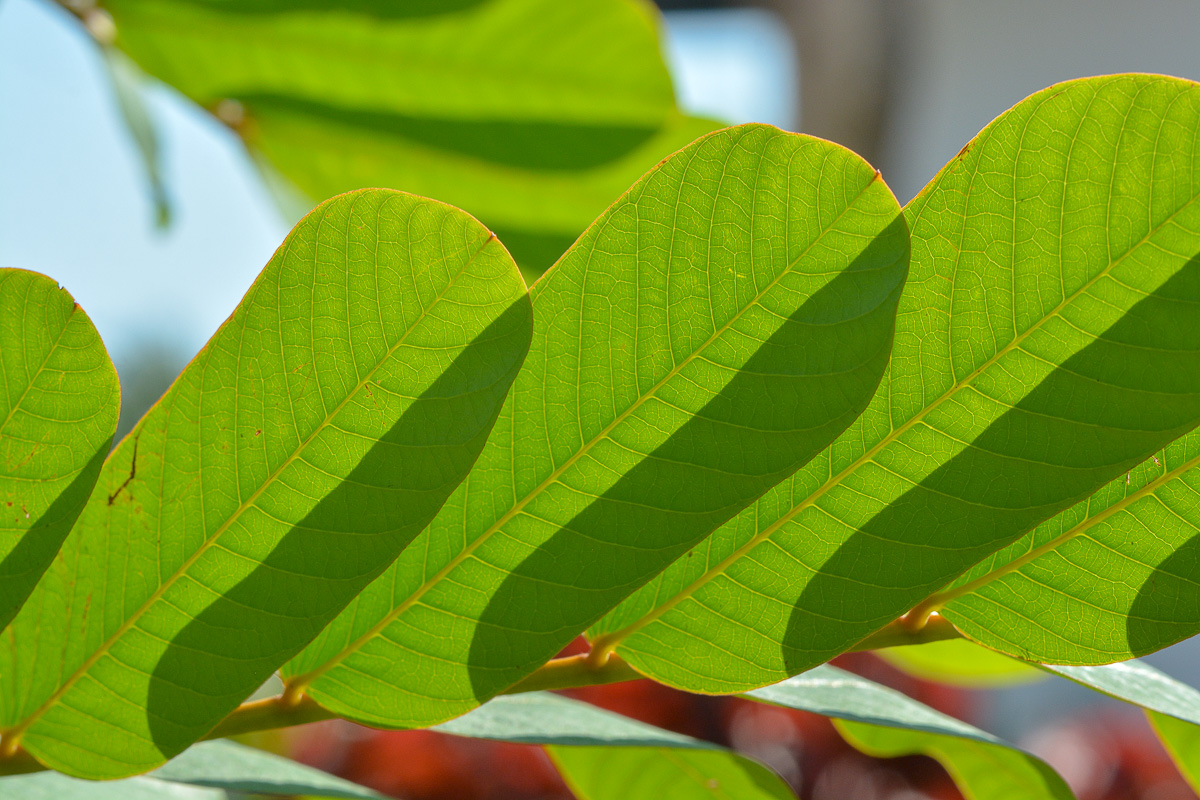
x=905, y=83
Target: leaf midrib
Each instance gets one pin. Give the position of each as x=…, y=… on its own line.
x=944, y=598
x=12, y=736
x=306, y=679
x=610, y=640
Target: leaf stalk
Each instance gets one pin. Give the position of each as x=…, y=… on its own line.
x=598, y=667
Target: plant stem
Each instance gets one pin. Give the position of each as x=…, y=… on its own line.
x=19, y=762
x=936, y=628
x=291, y=709
x=575, y=671
x=268, y=714
x=288, y=710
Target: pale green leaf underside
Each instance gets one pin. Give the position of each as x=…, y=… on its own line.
x=960, y=663
x=530, y=114
x=1173, y=707
x=59, y=403
x=1114, y=577
x=884, y=722
x=318, y=431
x=206, y=770
x=604, y=755
x=720, y=323
x=1138, y=684
x=56, y=786
x=1047, y=341
x=236, y=768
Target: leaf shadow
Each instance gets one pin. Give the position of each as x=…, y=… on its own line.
x=1166, y=609
x=1055, y=447
x=537, y=145
x=688, y=486
x=21, y=569
x=350, y=536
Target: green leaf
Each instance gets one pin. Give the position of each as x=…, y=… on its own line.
x=1182, y=740
x=1114, y=577
x=752, y=264
x=1173, y=707
x=318, y=431
x=884, y=722
x=465, y=59
x=59, y=403
x=960, y=663
x=1138, y=684
x=603, y=755
x=531, y=114
x=55, y=786
x=537, y=212
x=236, y=768
x=981, y=772
x=128, y=85
x=1047, y=341
x=204, y=771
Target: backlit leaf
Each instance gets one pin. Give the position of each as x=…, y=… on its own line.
x=1114, y=577
x=719, y=324
x=319, y=430
x=960, y=663
x=59, y=402
x=1047, y=342
x=531, y=114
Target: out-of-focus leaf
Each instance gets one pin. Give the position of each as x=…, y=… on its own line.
x=1182, y=740
x=236, y=768
x=1047, y=341
x=605, y=756
x=960, y=663
x=720, y=323
x=128, y=86
x=205, y=771
x=316, y=433
x=1173, y=707
x=56, y=786
x=59, y=403
x=531, y=114
x=884, y=722
x=537, y=213
x=1139, y=684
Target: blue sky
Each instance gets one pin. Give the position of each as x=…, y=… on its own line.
x=73, y=196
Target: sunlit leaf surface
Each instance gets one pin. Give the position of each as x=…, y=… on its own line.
x=722, y=322
x=1047, y=342
x=884, y=722
x=318, y=431
x=59, y=403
